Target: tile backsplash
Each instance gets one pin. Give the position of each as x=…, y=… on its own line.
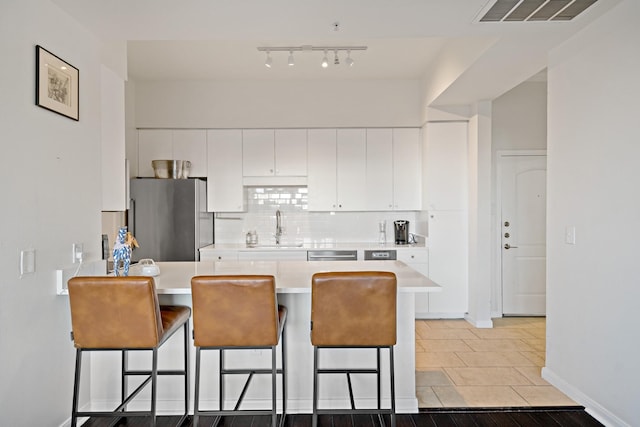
x=300, y=225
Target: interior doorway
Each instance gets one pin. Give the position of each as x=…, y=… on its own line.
x=522, y=202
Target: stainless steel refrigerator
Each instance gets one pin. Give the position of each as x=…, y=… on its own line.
x=169, y=218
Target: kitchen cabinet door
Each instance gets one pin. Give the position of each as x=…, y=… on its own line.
x=258, y=155
x=407, y=171
x=172, y=144
x=191, y=144
x=379, y=179
x=446, y=166
x=153, y=144
x=351, y=169
x=225, y=192
x=448, y=262
x=291, y=152
x=322, y=174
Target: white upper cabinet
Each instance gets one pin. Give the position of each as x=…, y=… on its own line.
x=114, y=172
x=191, y=144
x=170, y=144
x=279, y=152
x=379, y=169
x=258, y=156
x=321, y=183
x=351, y=169
x=224, y=159
x=407, y=171
x=446, y=166
x=291, y=152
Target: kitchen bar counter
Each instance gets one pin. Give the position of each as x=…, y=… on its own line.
x=291, y=276
x=293, y=281
x=312, y=245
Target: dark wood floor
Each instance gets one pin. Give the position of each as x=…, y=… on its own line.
x=463, y=417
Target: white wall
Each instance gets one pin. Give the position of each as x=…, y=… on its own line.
x=519, y=119
x=271, y=104
x=593, y=289
x=50, y=196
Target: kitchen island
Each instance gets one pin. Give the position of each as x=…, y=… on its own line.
x=293, y=282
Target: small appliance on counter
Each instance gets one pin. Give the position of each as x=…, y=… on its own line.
x=401, y=228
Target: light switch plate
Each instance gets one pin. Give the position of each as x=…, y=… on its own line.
x=570, y=235
x=27, y=261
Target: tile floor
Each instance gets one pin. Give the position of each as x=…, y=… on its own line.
x=458, y=365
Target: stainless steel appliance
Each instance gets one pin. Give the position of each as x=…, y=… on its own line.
x=401, y=228
x=332, y=255
x=169, y=219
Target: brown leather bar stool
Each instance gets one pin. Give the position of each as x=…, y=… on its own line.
x=123, y=313
x=353, y=310
x=234, y=313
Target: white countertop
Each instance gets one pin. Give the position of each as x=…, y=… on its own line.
x=291, y=276
x=310, y=246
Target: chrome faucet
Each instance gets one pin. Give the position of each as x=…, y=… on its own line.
x=278, y=226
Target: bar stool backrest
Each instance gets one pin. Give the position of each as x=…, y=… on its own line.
x=114, y=312
x=236, y=310
x=353, y=309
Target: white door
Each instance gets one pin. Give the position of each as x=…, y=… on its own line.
x=523, y=234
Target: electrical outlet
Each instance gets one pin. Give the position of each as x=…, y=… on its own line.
x=77, y=252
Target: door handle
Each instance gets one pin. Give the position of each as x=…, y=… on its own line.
x=508, y=246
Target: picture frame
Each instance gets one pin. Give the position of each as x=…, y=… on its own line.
x=57, y=84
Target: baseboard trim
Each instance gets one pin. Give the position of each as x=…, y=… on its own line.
x=592, y=407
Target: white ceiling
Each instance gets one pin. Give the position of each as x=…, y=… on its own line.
x=437, y=41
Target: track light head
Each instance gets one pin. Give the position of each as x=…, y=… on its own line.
x=349, y=61
x=336, y=60
x=290, y=61
x=268, y=61
x=325, y=60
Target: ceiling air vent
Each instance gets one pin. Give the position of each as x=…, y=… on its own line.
x=535, y=10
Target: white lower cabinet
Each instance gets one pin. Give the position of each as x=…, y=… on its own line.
x=272, y=255
x=218, y=255
x=448, y=257
x=418, y=259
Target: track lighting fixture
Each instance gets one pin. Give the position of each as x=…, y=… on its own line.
x=349, y=61
x=268, y=61
x=308, y=48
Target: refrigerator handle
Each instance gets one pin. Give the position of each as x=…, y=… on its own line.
x=132, y=216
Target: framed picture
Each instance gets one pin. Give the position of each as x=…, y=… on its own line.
x=56, y=84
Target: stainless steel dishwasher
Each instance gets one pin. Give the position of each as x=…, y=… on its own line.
x=332, y=255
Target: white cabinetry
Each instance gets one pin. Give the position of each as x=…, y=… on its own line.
x=115, y=176
x=218, y=255
x=351, y=169
x=280, y=152
x=172, y=144
x=337, y=169
x=224, y=184
x=407, y=170
x=418, y=259
x=446, y=166
x=446, y=201
x=379, y=180
x=393, y=169
x=272, y=255
x=321, y=183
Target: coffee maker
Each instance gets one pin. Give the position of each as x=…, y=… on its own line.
x=401, y=229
